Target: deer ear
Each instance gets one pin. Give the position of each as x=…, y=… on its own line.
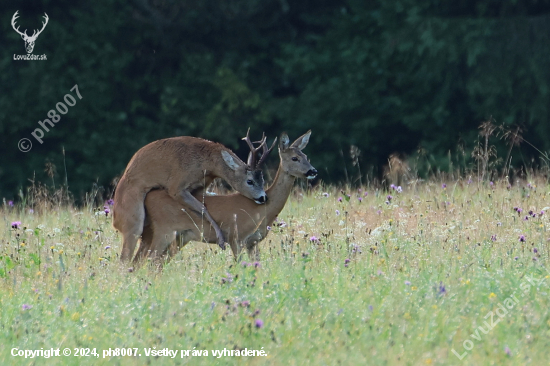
x=230, y=160
x=302, y=141
x=285, y=142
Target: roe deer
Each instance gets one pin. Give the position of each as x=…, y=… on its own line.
x=244, y=223
x=181, y=166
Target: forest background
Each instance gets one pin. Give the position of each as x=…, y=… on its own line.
x=408, y=78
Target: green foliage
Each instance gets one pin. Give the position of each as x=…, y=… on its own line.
x=386, y=76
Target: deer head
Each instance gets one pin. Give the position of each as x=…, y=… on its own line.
x=29, y=41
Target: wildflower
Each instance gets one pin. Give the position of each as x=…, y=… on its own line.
x=282, y=224
x=259, y=323
x=244, y=264
x=535, y=250
x=337, y=213
x=107, y=247
x=389, y=197
x=491, y=184
x=339, y=199
x=493, y=237
x=268, y=228
x=392, y=186
x=313, y=238
x=110, y=202
x=107, y=211
x=507, y=351
x=305, y=255
x=399, y=189
x=245, y=304
x=492, y=295
x=408, y=283
x=256, y=264
x=469, y=181
x=370, y=307
x=10, y=203
x=443, y=186
x=516, y=258
x=346, y=262
x=366, y=194
x=442, y=290
x=325, y=194
x=16, y=224
x=522, y=238
x=26, y=307
x=360, y=199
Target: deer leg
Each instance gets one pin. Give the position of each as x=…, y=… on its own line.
x=194, y=204
x=128, y=218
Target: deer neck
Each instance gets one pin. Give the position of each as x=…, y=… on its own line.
x=277, y=193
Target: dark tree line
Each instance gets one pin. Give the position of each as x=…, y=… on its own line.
x=393, y=76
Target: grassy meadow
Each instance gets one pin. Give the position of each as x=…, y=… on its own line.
x=371, y=276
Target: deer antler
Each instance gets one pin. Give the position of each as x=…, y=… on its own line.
x=252, y=156
x=43, y=26
x=15, y=16
x=265, y=151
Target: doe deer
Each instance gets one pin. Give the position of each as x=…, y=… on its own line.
x=244, y=223
x=181, y=166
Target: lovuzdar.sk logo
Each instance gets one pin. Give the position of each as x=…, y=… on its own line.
x=29, y=40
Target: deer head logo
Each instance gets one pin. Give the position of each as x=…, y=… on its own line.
x=29, y=41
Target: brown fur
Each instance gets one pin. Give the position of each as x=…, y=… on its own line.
x=242, y=221
x=180, y=166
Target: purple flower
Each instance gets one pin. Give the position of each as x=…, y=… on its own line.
x=26, y=307
x=256, y=264
x=370, y=307
x=408, y=283
x=313, y=238
x=491, y=184
x=526, y=218
x=399, y=189
x=268, y=228
x=360, y=199
x=522, y=238
x=107, y=247
x=258, y=323
x=339, y=199
x=535, y=250
x=366, y=194
x=325, y=194
x=507, y=351
x=389, y=197
x=346, y=262
x=443, y=186
x=516, y=258
x=245, y=304
x=392, y=186
x=442, y=290
x=107, y=211
x=493, y=237
x=16, y=224
x=337, y=212
x=110, y=202
x=244, y=264
x=469, y=181
x=10, y=203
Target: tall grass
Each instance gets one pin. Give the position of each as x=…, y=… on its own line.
x=348, y=276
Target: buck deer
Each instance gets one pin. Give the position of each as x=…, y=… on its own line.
x=181, y=166
x=241, y=221
x=29, y=41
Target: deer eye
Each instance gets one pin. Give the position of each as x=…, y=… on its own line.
x=250, y=182
x=294, y=158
